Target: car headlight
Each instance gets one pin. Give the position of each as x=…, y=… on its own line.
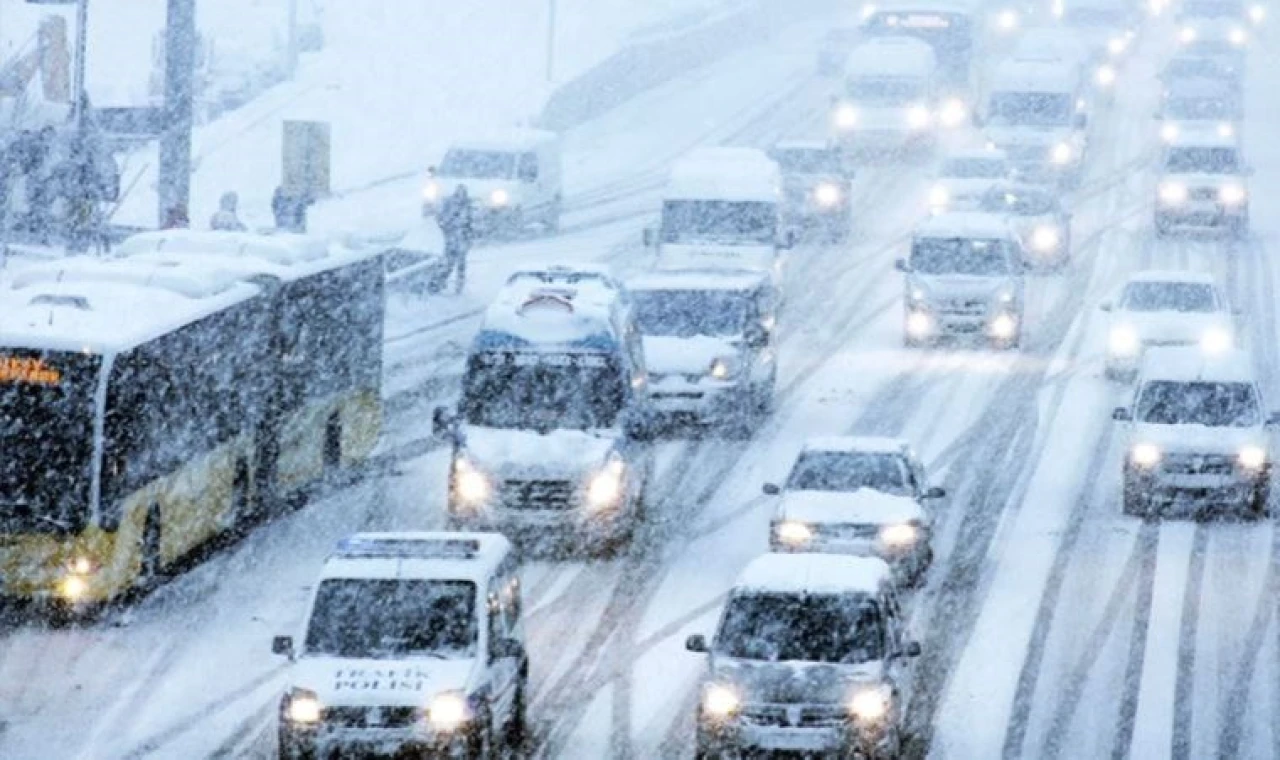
x=606, y=486
x=1173, y=193
x=1058, y=8
x=1169, y=132
x=723, y=368
x=1215, y=340
x=1238, y=37
x=499, y=198
x=1231, y=195
x=899, y=536
x=431, y=192
x=1061, y=154
x=81, y=566
x=826, y=194
x=1252, y=457
x=1145, y=454
x=1124, y=341
x=870, y=704
x=1117, y=45
x=1004, y=326
x=471, y=485
x=918, y=117
x=939, y=196
x=846, y=116
x=1005, y=297
x=867, y=11
x=1187, y=35
x=1226, y=130
x=720, y=701
x=793, y=532
x=917, y=295
x=1105, y=75
x=953, y=112
x=1007, y=20
x=304, y=707
x=1257, y=13
x=918, y=324
x=1045, y=238
x=448, y=712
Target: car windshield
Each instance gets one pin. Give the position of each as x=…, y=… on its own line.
x=1200, y=108
x=730, y=222
x=1209, y=9
x=1202, y=161
x=963, y=256
x=807, y=161
x=478, y=164
x=885, y=92
x=1198, y=403
x=686, y=313
x=46, y=439
x=384, y=618
x=845, y=629
x=974, y=168
x=542, y=392
x=1169, y=296
x=1031, y=109
x=851, y=470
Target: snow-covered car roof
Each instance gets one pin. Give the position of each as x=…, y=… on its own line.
x=728, y=174
x=1195, y=134
x=462, y=556
x=1191, y=364
x=848, y=444
x=865, y=506
x=810, y=573
x=964, y=224
x=506, y=141
x=1035, y=76
x=890, y=7
x=698, y=279
x=891, y=57
x=1180, y=276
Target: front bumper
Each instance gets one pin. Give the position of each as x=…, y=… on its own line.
x=884, y=140
x=925, y=323
x=1200, y=214
x=705, y=399
x=1165, y=483
x=324, y=741
x=770, y=729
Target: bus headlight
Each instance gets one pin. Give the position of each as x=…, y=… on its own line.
x=870, y=704
x=1003, y=327
x=846, y=117
x=1231, y=195
x=1123, y=341
x=1061, y=154
x=1045, y=238
x=1106, y=75
x=720, y=701
x=1187, y=35
x=606, y=486
x=1173, y=193
x=953, y=112
x=1145, y=455
x=471, y=485
x=917, y=117
x=899, y=536
x=939, y=197
x=1238, y=37
x=826, y=194
x=448, y=712
x=1252, y=457
x=793, y=532
x=304, y=707
x=499, y=198
x=1215, y=340
x=1169, y=132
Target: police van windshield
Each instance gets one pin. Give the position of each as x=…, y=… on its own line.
x=885, y=92
x=686, y=313
x=849, y=471
x=46, y=440
x=375, y=618
x=1169, y=296
x=1031, y=109
x=962, y=256
x=975, y=168
x=1202, y=161
x=844, y=629
x=478, y=164
x=1200, y=108
x=542, y=392
x=1199, y=403
x=719, y=222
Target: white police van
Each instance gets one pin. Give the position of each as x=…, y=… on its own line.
x=413, y=642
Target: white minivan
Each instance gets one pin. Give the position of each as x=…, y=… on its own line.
x=514, y=180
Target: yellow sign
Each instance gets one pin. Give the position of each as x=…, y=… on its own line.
x=28, y=371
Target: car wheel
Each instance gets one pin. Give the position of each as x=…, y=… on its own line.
x=517, y=724
x=707, y=749
x=480, y=746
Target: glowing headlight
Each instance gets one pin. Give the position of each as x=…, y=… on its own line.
x=1252, y=457
x=1155, y=7
x=1124, y=341
x=1117, y=45
x=1106, y=75
x=1045, y=238
x=898, y=536
x=918, y=324
x=1226, y=130
x=1187, y=35
x=1169, y=132
x=605, y=488
x=499, y=198
x=867, y=11
x=939, y=196
x=1215, y=340
x=953, y=112
x=1005, y=297
x=720, y=701
x=846, y=116
x=1145, y=455
x=448, y=712
x=431, y=192
x=1237, y=37
x=723, y=368
x=81, y=566
x=304, y=707
x=1061, y=154
x=870, y=705
x=1007, y=20
x=73, y=587
x=1257, y=13
x=917, y=117
x=793, y=532
x=917, y=295
x=1003, y=327
x=471, y=485
x=1173, y=193
x=826, y=194
x=1231, y=195
x=1058, y=9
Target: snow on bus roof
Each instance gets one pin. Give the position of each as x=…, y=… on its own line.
x=1020, y=75
x=964, y=225
x=698, y=279
x=891, y=57
x=283, y=256
x=194, y=281
x=813, y=573
x=465, y=556
x=1191, y=364
x=725, y=173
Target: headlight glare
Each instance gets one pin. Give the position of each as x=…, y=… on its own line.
x=448, y=712
x=1003, y=327
x=1045, y=238
x=1007, y=20
x=471, y=485
x=1252, y=457
x=304, y=707
x=1124, y=341
x=1231, y=195
x=939, y=196
x=918, y=324
x=1257, y=13
x=720, y=701
x=499, y=198
x=1215, y=340
x=1106, y=75
x=1061, y=154
x=793, y=532
x=1187, y=35
x=1238, y=37
x=606, y=486
x=431, y=192
x=1169, y=132
x=723, y=368
x=899, y=536
x=1145, y=455
x=1226, y=130
x=917, y=117
x=846, y=116
x=826, y=194
x=1173, y=193
x=953, y=112
x=870, y=704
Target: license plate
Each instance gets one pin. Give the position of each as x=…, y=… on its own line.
x=796, y=739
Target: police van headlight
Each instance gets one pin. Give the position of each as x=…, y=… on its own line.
x=953, y=112
x=793, y=532
x=448, y=712
x=1045, y=238
x=1105, y=75
x=470, y=484
x=899, y=536
x=1251, y=457
x=918, y=117
x=1169, y=132
x=870, y=704
x=724, y=368
x=1231, y=195
x=1238, y=37
x=720, y=701
x=1215, y=340
x=846, y=117
x=303, y=707
x=1061, y=154
x=1173, y=193
x=939, y=197
x=1123, y=341
x=606, y=486
x=499, y=198
x=1187, y=35
x=1145, y=455
x=826, y=194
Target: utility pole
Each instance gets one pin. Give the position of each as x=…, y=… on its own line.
x=293, y=38
x=551, y=40
x=175, y=141
x=79, y=89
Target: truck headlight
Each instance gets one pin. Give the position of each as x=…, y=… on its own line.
x=846, y=117
x=471, y=485
x=431, y=192
x=1061, y=154
x=1252, y=457
x=1123, y=341
x=793, y=532
x=1215, y=340
x=499, y=198
x=939, y=197
x=1231, y=195
x=826, y=194
x=870, y=704
x=720, y=701
x=1045, y=238
x=899, y=536
x=1145, y=455
x=1173, y=193
x=1238, y=37
x=1003, y=327
x=304, y=707
x=1169, y=132
x=606, y=486
x=1187, y=35
x=448, y=712
x=953, y=112
x=918, y=117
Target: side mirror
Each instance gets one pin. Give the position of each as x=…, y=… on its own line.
x=441, y=422
x=505, y=648
x=1273, y=419
x=282, y=645
x=771, y=489
x=902, y=266
x=1106, y=306
x=649, y=237
x=911, y=649
x=935, y=493
x=696, y=643
x=1082, y=120
x=1122, y=414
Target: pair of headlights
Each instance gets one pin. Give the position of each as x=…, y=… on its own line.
x=1148, y=455
x=604, y=489
x=446, y=713
x=796, y=533
x=498, y=198
x=917, y=116
x=1177, y=193
x=869, y=704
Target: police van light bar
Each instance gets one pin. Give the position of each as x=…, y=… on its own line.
x=357, y=547
x=556, y=300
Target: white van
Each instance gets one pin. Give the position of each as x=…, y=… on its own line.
x=1036, y=112
x=514, y=180
x=888, y=99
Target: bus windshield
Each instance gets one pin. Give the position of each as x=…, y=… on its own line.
x=542, y=392
x=46, y=436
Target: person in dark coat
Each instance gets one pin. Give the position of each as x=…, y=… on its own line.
x=456, y=219
x=290, y=209
x=176, y=218
x=226, y=218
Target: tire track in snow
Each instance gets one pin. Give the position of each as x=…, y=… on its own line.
x=1184, y=689
x=1149, y=540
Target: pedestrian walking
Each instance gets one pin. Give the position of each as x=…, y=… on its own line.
x=456, y=219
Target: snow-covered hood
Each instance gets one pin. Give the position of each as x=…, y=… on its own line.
x=810, y=683
x=958, y=286
x=527, y=454
x=1170, y=326
x=411, y=682
x=875, y=118
x=865, y=506
x=1198, y=179
x=665, y=355
x=966, y=188
x=1028, y=137
x=1199, y=439
x=716, y=256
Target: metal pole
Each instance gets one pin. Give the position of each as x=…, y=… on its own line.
x=175, y=141
x=551, y=39
x=293, y=38
x=78, y=87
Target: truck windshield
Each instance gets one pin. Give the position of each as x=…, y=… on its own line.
x=478, y=164
x=542, y=392
x=885, y=92
x=686, y=313
x=1168, y=296
x=377, y=618
x=1031, y=109
x=1202, y=161
x=845, y=629
x=733, y=222
x=46, y=440
x=1198, y=403
x=962, y=256
x=849, y=471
